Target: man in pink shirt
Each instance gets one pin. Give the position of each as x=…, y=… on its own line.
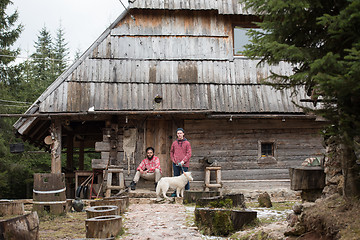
x=180, y=154
x=149, y=169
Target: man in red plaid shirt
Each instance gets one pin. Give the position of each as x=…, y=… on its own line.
x=149, y=169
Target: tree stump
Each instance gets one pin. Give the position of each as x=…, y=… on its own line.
x=222, y=222
x=103, y=226
x=25, y=227
x=310, y=180
x=96, y=211
x=192, y=196
x=124, y=197
x=8, y=208
x=226, y=201
x=307, y=178
x=121, y=203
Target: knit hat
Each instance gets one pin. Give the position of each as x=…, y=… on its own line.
x=180, y=129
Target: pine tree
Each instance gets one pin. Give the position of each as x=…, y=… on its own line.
x=9, y=86
x=77, y=54
x=9, y=33
x=43, y=61
x=321, y=38
x=61, y=52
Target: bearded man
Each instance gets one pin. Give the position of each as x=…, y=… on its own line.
x=149, y=169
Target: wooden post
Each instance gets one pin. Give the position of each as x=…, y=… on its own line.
x=81, y=155
x=56, y=147
x=70, y=151
x=207, y=179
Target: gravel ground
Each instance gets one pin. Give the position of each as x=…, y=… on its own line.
x=158, y=221
x=152, y=221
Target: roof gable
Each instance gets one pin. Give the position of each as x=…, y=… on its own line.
x=187, y=60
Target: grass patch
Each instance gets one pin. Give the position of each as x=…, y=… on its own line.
x=69, y=226
x=278, y=206
x=273, y=214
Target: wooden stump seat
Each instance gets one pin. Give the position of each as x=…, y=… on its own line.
x=218, y=183
x=103, y=226
x=121, y=180
x=96, y=211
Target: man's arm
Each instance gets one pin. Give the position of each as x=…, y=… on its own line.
x=172, y=150
x=188, y=153
x=141, y=166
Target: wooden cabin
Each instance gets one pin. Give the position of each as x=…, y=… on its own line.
x=168, y=64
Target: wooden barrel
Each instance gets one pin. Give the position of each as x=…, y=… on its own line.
x=103, y=226
x=49, y=193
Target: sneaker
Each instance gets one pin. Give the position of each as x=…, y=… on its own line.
x=133, y=185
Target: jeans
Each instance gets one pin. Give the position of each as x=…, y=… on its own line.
x=178, y=171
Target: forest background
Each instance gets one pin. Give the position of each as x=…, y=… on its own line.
x=21, y=83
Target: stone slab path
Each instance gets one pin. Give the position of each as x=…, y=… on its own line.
x=158, y=221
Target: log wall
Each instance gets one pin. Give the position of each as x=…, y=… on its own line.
x=235, y=146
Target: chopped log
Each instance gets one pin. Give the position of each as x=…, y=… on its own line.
x=121, y=203
x=8, y=208
x=25, y=227
x=125, y=197
x=225, y=201
x=191, y=196
x=307, y=178
x=96, y=211
x=103, y=226
x=222, y=222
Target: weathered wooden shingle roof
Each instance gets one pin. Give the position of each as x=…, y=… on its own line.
x=185, y=59
x=222, y=6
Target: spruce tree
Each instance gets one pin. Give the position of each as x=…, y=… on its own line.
x=9, y=33
x=10, y=82
x=43, y=69
x=61, y=52
x=321, y=38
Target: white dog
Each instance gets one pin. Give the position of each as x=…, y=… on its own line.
x=177, y=183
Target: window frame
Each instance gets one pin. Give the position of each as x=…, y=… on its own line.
x=267, y=158
x=248, y=25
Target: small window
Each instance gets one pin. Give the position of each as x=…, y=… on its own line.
x=241, y=38
x=267, y=149
x=267, y=152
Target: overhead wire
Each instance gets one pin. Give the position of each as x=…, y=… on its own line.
x=52, y=59
x=12, y=101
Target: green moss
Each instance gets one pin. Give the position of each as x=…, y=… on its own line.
x=222, y=224
x=224, y=203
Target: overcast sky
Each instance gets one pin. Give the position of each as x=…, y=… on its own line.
x=82, y=20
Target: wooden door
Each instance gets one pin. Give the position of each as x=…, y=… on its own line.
x=158, y=135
